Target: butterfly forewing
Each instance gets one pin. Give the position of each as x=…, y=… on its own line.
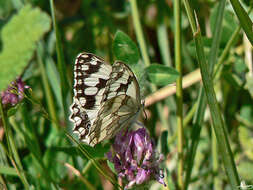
x=106, y=98
x=91, y=75
x=123, y=81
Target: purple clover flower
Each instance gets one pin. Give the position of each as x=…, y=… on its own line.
x=135, y=159
x=14, y=93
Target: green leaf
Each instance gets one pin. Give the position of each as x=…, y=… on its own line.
x=161, y=75
x=111, y=166
x=19, y=37
x=245, y=168
x=8, y=170
x=13, y=110
x=249, y=84
x=246, y=141
x=125, y=49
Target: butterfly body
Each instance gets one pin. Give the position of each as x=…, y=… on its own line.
x=106, y=98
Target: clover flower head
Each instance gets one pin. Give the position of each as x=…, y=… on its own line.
x=14, y=93
x=135, y=159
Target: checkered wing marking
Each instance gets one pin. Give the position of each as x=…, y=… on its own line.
x=121, y=104
x=91, y=76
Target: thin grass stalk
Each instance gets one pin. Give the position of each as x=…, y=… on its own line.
x=6, y=128
x=162, y=36
x=20, y=173
x=163, y=43
x=231, y=42
x=60, y=63
x=139, y=33
x=198, y=119
x=218, y=123
x=28, y=131
x=188, y=117
x=12, y=151
x=93, y=161
x=81, y=177
x=144, y=52
x=35, y=154
x=244, y=19
x=179, y=94
x=215, y=162
x=2, y=182
x=48, y=93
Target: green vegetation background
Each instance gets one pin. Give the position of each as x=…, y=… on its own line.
x=162, y=41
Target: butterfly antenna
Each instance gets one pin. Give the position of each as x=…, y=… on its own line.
x=140, y=124
x=143, y=106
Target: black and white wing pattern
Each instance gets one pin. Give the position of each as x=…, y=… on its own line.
x=106, y=98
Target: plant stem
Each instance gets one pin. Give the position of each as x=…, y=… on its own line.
x=139, y=33
x=49, y=96
x=179, y=93
x=60, y=63
x=144, y=52
x=12, y=151
x=218, y=123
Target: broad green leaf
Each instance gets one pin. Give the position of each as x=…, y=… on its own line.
x=19, y=37
x=161, y=75
x=125, y=49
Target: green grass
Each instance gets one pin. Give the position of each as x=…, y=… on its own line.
x=204, y=131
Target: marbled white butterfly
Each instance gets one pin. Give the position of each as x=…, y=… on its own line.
x=106, y=98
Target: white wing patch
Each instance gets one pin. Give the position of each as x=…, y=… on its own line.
x=106, y=98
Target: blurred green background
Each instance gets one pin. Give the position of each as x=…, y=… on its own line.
x=39, y=42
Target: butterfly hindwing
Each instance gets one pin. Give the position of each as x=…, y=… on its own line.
x=121, y=104
x=106, y=98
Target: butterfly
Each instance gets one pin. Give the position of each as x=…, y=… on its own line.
x=106, y=98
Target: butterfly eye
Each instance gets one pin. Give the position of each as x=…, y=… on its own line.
x=86, y=116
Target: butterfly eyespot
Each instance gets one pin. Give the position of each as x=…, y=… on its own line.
x=88, y=125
